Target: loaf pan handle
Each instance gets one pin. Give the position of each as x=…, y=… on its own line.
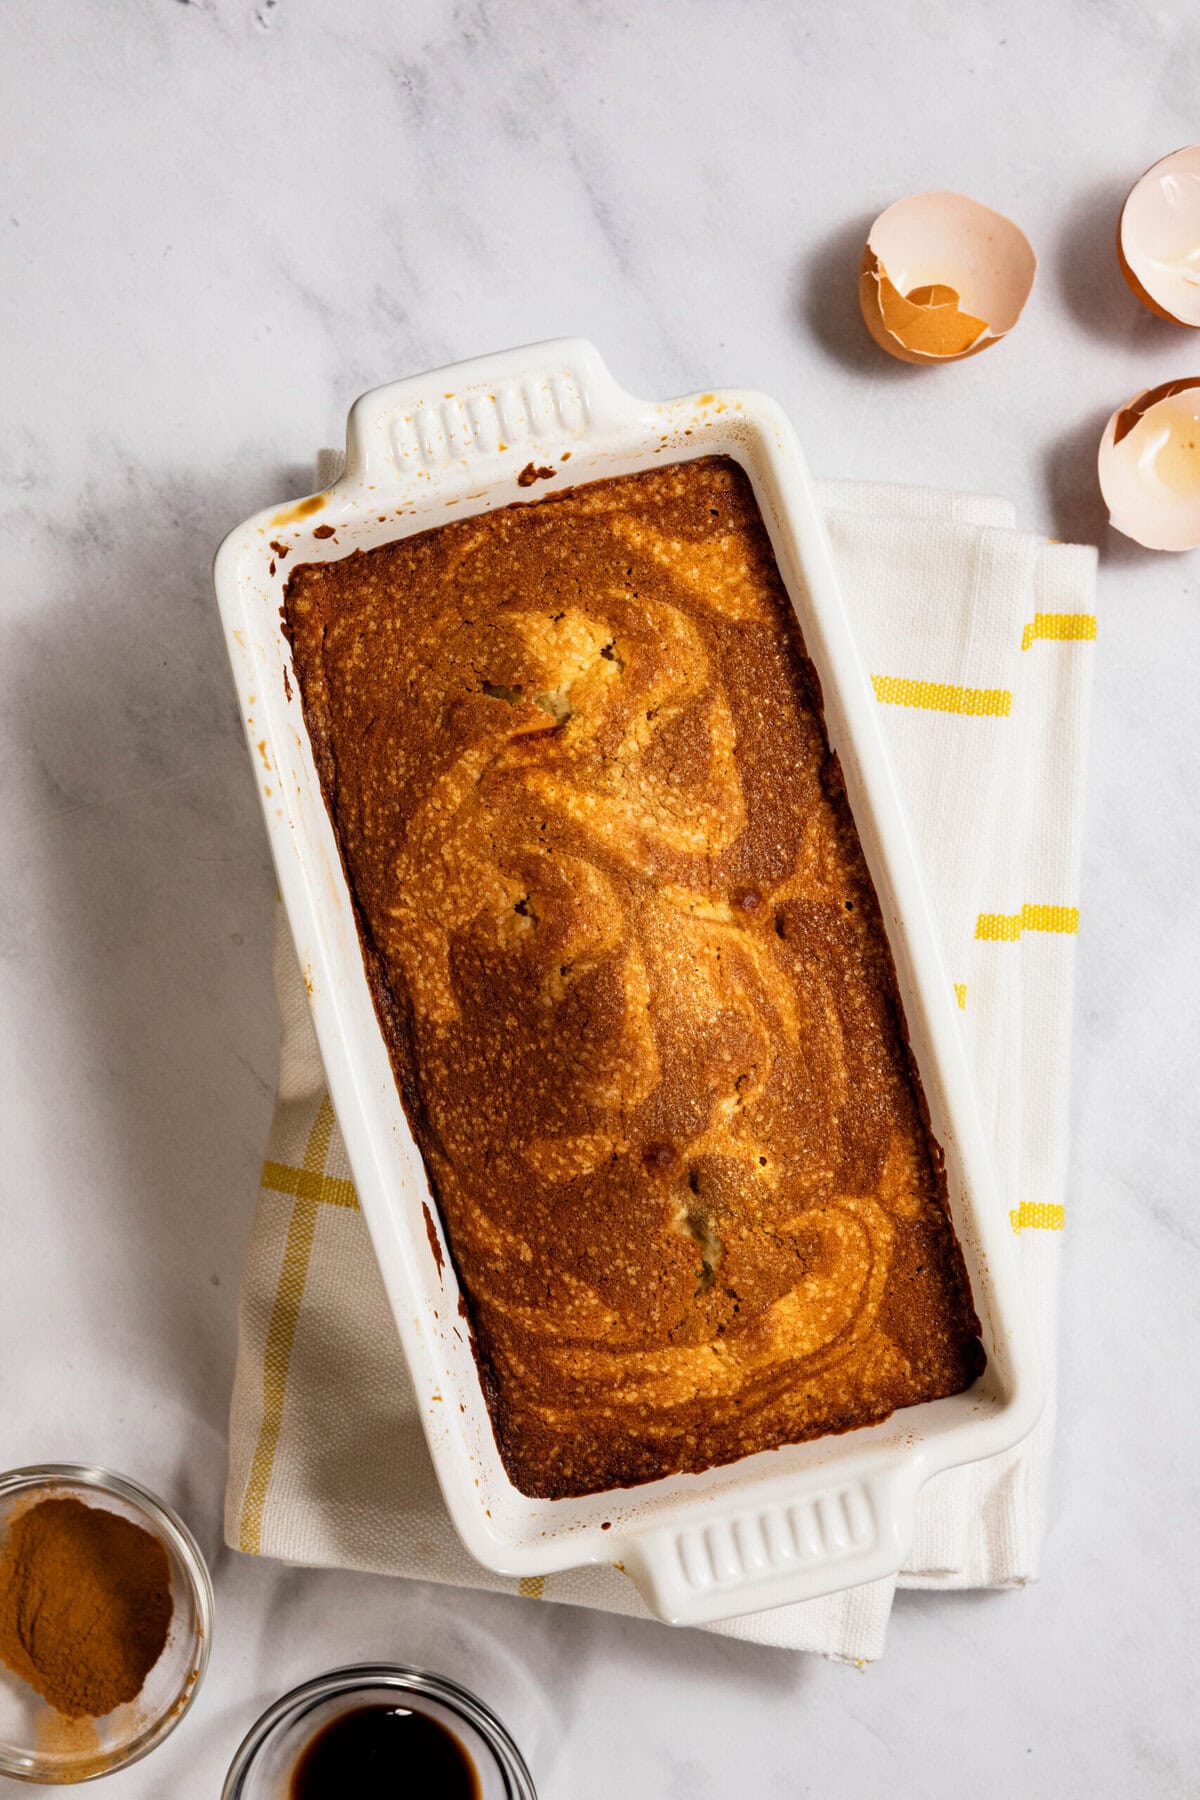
x=809, y=1541
x=516, y=407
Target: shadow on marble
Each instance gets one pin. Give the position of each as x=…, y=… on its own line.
x=299, y=480
x=1073, y=493
x=957, y=1611
x=1090, y=281
x=151, y=863
x=1076, y=504
x=562, y=1649
x=826, y=303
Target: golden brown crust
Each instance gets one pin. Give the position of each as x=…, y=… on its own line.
x=632, y=974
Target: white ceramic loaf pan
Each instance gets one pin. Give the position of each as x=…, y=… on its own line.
x=787, y=1524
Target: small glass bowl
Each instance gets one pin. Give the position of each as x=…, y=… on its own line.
x=39, y=1744
x=268, y=1754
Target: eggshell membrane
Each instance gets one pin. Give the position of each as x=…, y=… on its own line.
x=943, y=277
x=1158, y=238
x=1149, y=466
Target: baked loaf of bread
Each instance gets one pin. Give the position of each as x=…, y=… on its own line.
x=633, y=978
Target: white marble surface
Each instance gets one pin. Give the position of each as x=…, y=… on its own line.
x=221, y=219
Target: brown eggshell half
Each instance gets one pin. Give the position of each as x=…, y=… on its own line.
x=1158, y=237
x=943, y=277
x=1149, y=466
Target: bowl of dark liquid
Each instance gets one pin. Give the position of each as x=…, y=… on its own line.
x=377, y=1730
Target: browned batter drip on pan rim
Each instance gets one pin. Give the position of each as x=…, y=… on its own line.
x=633, y=978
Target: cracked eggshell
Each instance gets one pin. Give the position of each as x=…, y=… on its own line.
x=1149, y=465
x=1158, y=238
x=943, y=277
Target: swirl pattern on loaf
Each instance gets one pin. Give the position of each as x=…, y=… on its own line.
x=633, y=978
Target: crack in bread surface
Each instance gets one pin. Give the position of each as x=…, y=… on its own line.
x=633, y=979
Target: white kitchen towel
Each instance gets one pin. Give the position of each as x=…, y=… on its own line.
x=977, y=638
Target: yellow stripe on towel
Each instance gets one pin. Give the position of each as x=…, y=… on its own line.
x=306, y=1184
x=281, y=1331
x=531, y=1587
x=1034, y=1216
x=1064, y=628
x=960, y=994
x=1006, y=928
x=941, y=696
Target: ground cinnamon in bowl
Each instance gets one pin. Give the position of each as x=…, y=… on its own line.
x=85, y=1605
